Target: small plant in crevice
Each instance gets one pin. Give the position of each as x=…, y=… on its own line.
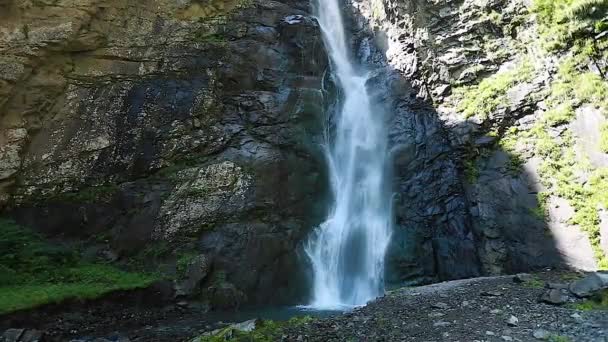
x=484, y=98
x=604, y=138
x=541, y=210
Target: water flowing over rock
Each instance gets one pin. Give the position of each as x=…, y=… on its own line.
x=347, y=251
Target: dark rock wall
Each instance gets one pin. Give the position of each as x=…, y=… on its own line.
x=168, y=122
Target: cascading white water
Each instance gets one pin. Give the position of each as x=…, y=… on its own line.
x=347, y=251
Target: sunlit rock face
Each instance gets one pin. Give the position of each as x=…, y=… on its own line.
x=187, y=123
x=470, y=193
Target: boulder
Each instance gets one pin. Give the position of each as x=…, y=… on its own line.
x=554, y=296
x=589, y=285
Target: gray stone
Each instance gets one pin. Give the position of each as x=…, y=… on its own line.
x=554, y=296
x=13, y=335
x=522, y=278
x=512, y=321
x=440, y=305
x=541, y=334
x=589, y=285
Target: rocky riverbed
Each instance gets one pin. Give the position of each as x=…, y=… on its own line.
x=504, y=308
x=481, y=309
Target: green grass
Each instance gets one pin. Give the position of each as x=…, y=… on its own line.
x=559, y=338
x=483, y=99
x=34, y=272
x=597, y=302
x=568, y=23
x=534, y=283
x=87, y=282
x=265, y=331
x=604, y=138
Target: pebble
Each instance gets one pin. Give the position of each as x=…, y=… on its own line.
x=541, y=334
x=440, y=305
x=441, y=324
x=512, y=321
x=507, y=338
x=436, y=314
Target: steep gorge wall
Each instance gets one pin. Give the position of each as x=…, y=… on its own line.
x=161, y=128
x=517, y=176
x=167, y=128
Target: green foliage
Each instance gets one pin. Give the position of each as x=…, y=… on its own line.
x=561, y=115
x=604, y=138
x=495, y=17
x=183, y=260
x=534, y=283
x=541, y=209
x=471, y=171
x=559, y=338
x=36, y=272
x=598, y=302
x=567, y=23
x=265, y=331
x=481, y=100
x=90, y=195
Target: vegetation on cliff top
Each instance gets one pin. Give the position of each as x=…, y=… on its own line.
x=34, y=272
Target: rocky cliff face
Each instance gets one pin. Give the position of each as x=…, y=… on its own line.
x=497, y=173
x=153, y=126
x=171, y=128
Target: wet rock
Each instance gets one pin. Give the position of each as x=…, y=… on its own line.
x=491, y=293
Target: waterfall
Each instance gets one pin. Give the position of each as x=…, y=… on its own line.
x=347, y=250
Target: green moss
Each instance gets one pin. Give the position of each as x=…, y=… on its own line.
x=89, y=195
x=559, y=338
x=183, y=260
x=535, y=283
x=597, y=302
x=265, y=331
x=604, y=138
x=567, y=23
x=37, y=272
x=471, y=171
x=483, y=99
x=206, y=37
x=495, y=17
x=560, y=115
x=541, y=211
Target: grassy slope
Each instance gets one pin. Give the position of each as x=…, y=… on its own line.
x=34, y=272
